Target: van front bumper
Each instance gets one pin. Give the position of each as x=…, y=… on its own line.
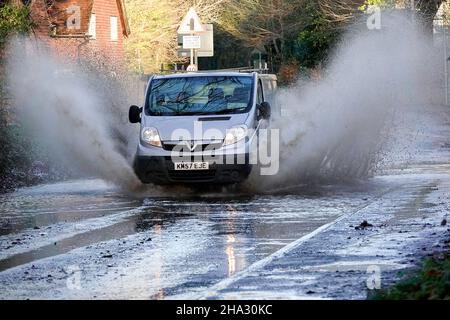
x=161, y=170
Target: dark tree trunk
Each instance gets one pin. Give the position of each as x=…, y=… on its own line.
x=427, y=10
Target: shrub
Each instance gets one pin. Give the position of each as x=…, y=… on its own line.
x=13, y=20
x=431, y=282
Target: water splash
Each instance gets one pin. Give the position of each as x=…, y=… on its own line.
x=58, y=104
x=347, y=125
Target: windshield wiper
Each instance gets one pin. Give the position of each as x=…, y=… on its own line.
x=180, y=112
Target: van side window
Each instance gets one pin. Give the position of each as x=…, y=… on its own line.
x=260, y=98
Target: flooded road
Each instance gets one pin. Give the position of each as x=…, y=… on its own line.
x=88, y=239
x=155, y=246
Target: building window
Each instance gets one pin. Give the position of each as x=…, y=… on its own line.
x=113, y=24
x=92, y=27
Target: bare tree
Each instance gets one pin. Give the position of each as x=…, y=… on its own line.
x=264, y=23
x=154, y=24
x=342, y=11
x=427, y=10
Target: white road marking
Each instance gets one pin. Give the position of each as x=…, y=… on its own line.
x=223, y=284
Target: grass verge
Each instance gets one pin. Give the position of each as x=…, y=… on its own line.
x=430, y=282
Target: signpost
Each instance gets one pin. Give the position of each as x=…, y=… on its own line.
x=191, y=27
x=191, y=42
x=206, y=44
x=191, y=23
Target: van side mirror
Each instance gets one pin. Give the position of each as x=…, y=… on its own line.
x=264, y=110
x=134, y=114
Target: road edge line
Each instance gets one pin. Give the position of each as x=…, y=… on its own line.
x=214, y=289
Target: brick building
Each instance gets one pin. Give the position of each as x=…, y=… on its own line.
x=77, y=29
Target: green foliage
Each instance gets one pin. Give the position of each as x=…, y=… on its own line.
x=383, y=4
x=293, y=33
x=23, y=161
x=314, y=42
x=296, y=32
x=18, y=152
x=432, y=282
x=266, y=23
x=13, y=20
x=14, y=152
x=229, y=52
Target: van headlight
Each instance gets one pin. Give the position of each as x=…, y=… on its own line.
x=151, y=137
x=235, y=134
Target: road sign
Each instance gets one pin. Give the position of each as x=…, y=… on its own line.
x=206, y=44
x=191, y=23
x=191, y=42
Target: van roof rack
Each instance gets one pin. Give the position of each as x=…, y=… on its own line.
x=242, y=70
x=238, y=69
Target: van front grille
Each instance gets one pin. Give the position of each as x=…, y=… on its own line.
x=186, y=147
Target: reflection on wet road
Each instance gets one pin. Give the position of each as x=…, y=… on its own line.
x=155, y=247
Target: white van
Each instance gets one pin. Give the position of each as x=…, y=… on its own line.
x=200, y=127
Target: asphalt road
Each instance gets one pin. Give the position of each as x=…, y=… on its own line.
x=151, y=247
x=87, y=239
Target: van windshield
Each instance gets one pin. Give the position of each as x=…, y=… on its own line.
x=206, y=95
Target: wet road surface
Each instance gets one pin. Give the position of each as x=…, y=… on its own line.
x=154, y=247
x=87, y=239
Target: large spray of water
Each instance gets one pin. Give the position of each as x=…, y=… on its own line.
x=333, y=129
x=67, y=108
x=347, y=125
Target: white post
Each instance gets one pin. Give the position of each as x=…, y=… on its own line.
x=192, y=54
x=196, y=57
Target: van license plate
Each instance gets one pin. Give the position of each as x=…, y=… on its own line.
x=191, y=166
